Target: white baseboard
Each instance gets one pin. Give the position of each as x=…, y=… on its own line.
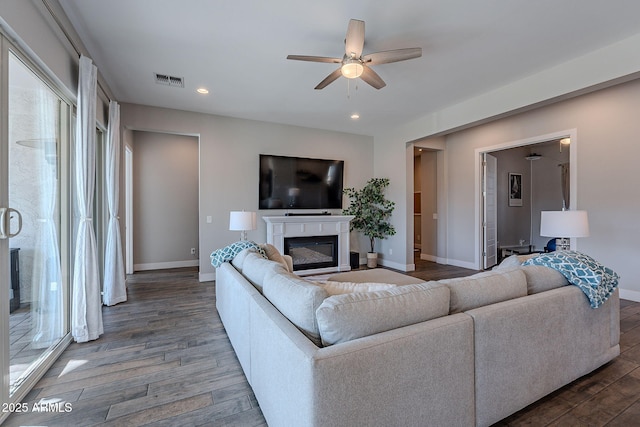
x=458, y=263
x=446, y=261
x=431, y=258
x=165, y=265
x=630, y=295
x=396, y=265
x=207, y=277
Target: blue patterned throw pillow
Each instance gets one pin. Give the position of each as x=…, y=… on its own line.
x=594, y=279
x=229, y=252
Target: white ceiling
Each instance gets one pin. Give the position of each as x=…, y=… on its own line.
x=238, y=49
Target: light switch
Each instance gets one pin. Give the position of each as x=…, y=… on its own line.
x=209, y=219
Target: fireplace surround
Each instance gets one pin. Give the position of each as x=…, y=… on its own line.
x=306, y=229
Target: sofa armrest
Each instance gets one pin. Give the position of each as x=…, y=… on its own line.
x=528, y=347
x=234, y=295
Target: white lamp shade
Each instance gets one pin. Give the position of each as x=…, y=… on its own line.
x=564, y=224
x=242, y=221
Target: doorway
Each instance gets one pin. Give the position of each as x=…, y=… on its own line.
x=128, y=194
x=543, y=169
x=165, y=209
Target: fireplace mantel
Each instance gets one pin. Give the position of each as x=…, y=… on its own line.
x=280, y=227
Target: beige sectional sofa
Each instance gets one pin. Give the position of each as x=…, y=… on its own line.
x=458, y=352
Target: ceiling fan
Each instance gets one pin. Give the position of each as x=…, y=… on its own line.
x=354, y=63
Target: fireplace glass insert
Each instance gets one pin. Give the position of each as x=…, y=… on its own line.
x=312, y=252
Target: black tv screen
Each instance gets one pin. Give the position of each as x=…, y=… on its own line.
x=300, y=183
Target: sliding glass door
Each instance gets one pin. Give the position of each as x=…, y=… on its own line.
x=34, y=225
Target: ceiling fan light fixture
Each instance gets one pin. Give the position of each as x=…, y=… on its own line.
x=352, y=68
x=565, y=141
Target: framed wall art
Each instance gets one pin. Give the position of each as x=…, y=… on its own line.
x=515, y=189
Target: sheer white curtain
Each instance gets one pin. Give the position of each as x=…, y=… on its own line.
x=86, y=311
x=46, y=308
x=114, y=288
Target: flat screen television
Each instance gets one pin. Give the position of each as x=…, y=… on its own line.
x=300, y=183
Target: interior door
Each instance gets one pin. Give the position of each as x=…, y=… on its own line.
x=489, y=211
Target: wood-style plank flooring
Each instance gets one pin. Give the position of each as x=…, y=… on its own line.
x=165, y=360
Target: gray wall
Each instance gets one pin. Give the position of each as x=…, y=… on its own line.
x=165, y=200
x=229, y=150
x=607, y=151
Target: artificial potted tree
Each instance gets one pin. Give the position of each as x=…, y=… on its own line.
x=371, y=213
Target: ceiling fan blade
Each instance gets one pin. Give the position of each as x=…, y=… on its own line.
x=329, y=79
x=371, y=77
x=314, y=58
x=354, y=42
x=395, y=55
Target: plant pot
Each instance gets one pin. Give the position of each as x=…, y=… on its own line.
x=372, y=259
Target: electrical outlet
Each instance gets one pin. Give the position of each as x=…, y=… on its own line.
x=193, y=251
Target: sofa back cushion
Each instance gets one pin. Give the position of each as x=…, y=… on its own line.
x=541, y=278
x=349, y=316
x=256, y=268
x=512, y=261
x=486, y=288
x=297, y=299
x=238, y=260
x=337, y=288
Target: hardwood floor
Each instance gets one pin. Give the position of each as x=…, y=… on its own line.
x=165, y=360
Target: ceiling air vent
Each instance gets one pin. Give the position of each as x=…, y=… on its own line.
x=164, y=79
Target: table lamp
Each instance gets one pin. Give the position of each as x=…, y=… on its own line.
x=563, y=225
x=242, y=221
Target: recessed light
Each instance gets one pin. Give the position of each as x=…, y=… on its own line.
x=202, y=91
x=355, y=116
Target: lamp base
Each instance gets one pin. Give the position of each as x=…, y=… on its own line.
x=563, y=244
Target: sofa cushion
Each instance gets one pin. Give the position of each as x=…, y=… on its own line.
x=256, y=268
x=349, y=316
x=486, y=288
x=541, y=278
x=337, y=288
x=238, y=260
x=297, y=299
